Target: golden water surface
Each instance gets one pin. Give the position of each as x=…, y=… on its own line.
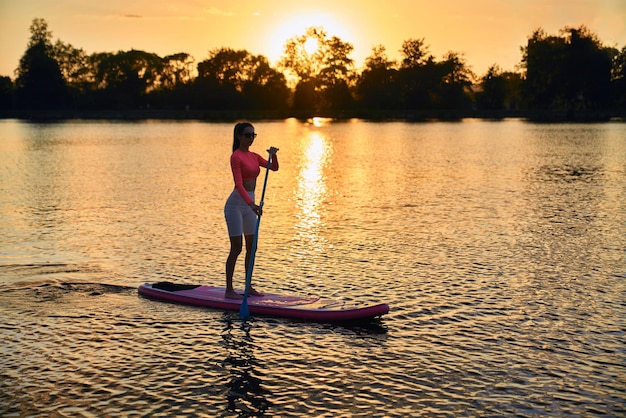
x=500, y=247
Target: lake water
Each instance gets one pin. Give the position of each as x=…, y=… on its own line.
x=499, y=246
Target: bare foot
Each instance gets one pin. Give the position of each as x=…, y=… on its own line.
x=231, y=294
x=253, y=292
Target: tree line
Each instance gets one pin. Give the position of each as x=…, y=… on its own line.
x=569, y=72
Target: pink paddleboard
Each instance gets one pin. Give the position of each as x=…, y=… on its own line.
x=285, y=306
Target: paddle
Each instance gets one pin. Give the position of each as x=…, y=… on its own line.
x=244, y=311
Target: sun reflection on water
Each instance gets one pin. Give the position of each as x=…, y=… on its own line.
x=312, y=187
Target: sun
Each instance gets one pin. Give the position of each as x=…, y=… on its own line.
x=297, y=25
x=310, y=46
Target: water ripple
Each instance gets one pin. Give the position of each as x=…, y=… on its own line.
x=499, y=247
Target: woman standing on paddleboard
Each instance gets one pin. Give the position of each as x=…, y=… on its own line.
x=240, y=210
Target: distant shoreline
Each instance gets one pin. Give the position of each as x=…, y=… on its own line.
x=618, y=115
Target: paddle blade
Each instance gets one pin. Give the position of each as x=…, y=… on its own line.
x=244, y=311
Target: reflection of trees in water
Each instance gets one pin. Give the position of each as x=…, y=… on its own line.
x=245, y=394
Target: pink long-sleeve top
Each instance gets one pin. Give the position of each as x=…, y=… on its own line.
x=246, y=166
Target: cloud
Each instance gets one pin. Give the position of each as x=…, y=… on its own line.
x=217, y=12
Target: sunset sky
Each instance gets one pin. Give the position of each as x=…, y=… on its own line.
x=485, y=31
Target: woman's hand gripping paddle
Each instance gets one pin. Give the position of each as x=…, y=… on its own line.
x=244, y=311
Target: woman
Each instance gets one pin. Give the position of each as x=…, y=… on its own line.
x=240, y=210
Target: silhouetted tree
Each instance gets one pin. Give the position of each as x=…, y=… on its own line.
x=513, y=90
x=39, y=83
x=414, y=53
x=569, y=72
x=618, y=77
x=298, y=60
x=456, y=79
x=499, y=90
x=543, y=59
x=6, y=93
x=492, y=90
x=77, y=71
x=73, y=63
x=240, y=80
x=177, y=70
x=429, y=84
x=589, y=69
x=267, y=88
x=417, y=75
x=336, y=74
x=572, y=71
x=325, y=74
x=377, y=86
x=175, y=88
x=306, y=96
x=124, y=78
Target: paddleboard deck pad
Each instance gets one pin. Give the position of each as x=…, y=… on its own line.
x=309, y=308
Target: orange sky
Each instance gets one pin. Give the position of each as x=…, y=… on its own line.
x=485, y=31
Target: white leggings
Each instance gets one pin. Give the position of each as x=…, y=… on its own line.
x=240, y=218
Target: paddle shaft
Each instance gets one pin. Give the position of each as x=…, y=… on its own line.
x=244, y=311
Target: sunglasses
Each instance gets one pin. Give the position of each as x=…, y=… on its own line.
x=249, y=135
